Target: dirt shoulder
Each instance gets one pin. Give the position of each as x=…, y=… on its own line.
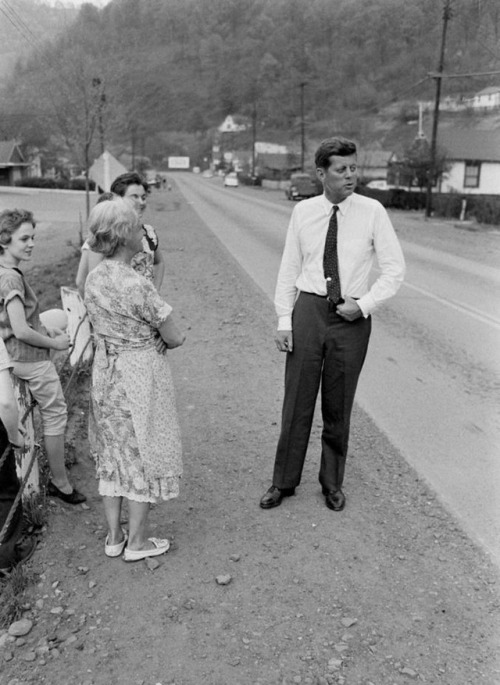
x=387, y=592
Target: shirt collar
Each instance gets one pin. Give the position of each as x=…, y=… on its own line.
x=343, y=206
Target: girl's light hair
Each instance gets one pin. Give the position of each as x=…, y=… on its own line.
x=10, y=221
x=110, y=224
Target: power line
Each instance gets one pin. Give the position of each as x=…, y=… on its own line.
x=18, y=23
x=398, y=96
x=477, y=73
x=20, y=20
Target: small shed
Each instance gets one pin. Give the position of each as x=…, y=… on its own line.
x=13, y=166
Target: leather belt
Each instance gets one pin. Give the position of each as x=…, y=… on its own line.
x=323, y=297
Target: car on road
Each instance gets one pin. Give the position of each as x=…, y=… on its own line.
x=301, y=187
x=378, y=184
x=231, y=180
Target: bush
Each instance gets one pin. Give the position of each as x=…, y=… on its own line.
x=447, y=205
x=79, y=184
x=59, y=184
x=485, y=209
x=395, y=198
x=37, y=182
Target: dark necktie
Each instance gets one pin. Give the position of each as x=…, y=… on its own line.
x=330, y=259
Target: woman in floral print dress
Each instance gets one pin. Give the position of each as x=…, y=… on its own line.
x=133, y=430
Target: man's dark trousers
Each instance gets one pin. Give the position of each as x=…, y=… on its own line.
x=327, y=351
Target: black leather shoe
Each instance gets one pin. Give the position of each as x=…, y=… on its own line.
x=334, y=499
x=274, y=495
x=74, y=496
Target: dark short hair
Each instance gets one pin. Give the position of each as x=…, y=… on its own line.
x=110, y=224
x=10, y=221
x=333, y=146
x=131, y=178
x=104, y=197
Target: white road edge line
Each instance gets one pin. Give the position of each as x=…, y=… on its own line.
x=479, y=316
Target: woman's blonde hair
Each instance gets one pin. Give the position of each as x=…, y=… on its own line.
x=110, y=224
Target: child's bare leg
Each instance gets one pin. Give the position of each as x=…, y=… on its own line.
x=54, y=447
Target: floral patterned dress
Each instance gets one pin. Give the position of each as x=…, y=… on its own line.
x=134, y=432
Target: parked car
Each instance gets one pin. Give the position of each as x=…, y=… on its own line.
x=231, y=180
x=153, y=179
x=378, y=184
x=301, y=186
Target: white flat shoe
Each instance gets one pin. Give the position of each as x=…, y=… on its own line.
x=115, y=550
x=160, y=547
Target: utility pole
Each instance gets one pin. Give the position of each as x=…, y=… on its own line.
x=302, y=127
x=101, y=103
x=447, y=15
x=254, y=134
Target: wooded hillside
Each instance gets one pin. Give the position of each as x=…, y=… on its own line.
x=163, y=72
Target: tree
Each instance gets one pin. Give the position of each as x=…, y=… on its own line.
x=415, y=166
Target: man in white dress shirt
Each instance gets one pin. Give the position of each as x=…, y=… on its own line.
x=326, y=335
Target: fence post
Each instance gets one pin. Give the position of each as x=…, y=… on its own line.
x=78, y=325
x=24, y=455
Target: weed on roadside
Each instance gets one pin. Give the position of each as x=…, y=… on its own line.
x=13, y=590
x=35, y=512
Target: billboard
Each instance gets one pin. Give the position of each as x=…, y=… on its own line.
x=178, y=163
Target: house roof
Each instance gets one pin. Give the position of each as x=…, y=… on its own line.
x=470, y=144
x=489, y=91
x=10, y=153
x=373, y=158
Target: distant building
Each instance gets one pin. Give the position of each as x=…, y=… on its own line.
x=277, y=166
x=488, y=98
x=372, y=164
x=13, y=166
x=270, y=148
x=474, y=158
x=234, y=124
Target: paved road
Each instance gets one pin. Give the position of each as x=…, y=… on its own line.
x=431, y=379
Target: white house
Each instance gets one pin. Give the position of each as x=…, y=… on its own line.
x=234, y=124
x=488, y=98
x=474, y=158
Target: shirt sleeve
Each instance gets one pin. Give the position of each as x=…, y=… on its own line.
x=11, y=286
x=286, y=286
x=152, y=308
x=390, y=260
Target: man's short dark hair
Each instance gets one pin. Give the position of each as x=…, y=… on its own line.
x=333, y=146
x=131, y=178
